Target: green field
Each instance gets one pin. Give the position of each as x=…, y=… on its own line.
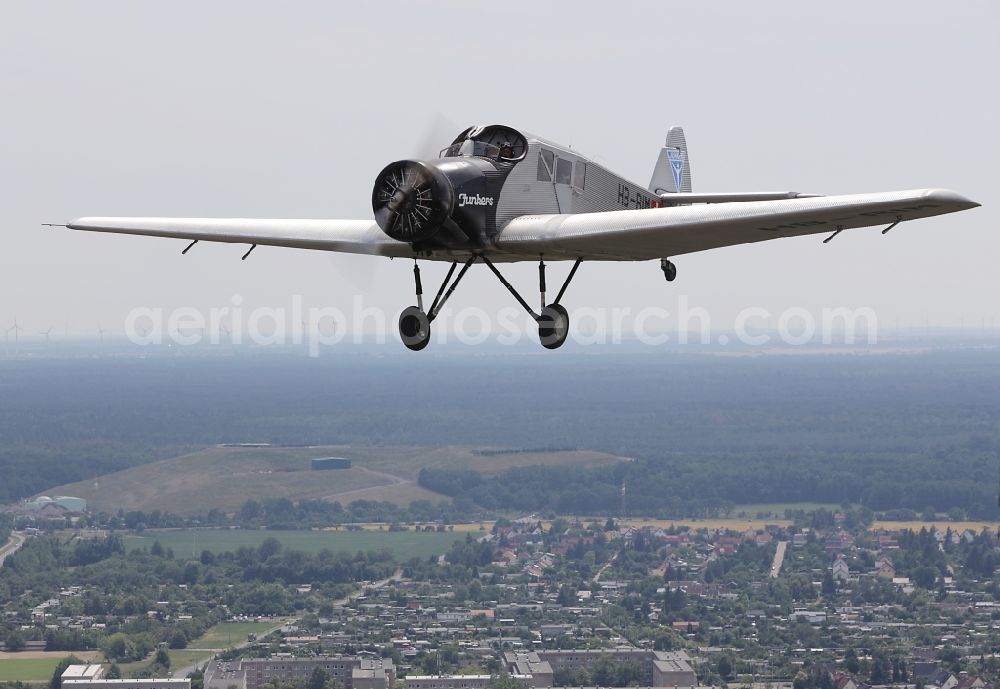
x=27, y=669
x=220, y=637
x=183, y=658
x=178, y=659
x=227, y=634
x=402, y=544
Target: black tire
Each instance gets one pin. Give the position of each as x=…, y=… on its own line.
x=414, y=328
x=553, y=326
x=670, y=271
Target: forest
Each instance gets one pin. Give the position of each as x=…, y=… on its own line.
x=894, y=431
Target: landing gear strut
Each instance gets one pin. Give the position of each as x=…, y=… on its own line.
x=553, y=321
x=669, y=269
x=414, y=323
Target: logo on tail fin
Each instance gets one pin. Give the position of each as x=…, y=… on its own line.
x=676, y=158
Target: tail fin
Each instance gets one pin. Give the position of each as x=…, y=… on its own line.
x=673, y=169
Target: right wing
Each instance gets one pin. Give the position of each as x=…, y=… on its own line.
x=637, y=235
x=349, y=236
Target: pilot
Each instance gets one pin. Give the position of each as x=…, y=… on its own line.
x=506, y=151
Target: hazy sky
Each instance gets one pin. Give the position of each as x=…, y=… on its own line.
x=290, y=109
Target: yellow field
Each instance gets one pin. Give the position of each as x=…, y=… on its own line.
x=744, y=524
x=941, y=525
x=733, y=524
x=736, y=524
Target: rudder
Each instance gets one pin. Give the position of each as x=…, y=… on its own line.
x=672, y=172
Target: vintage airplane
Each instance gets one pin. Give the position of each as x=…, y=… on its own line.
x=496, y=194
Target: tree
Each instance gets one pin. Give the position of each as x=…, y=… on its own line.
x=318, y=679
x=56, y=681
x=115, y=647
x=250, y=510
x=162, y=658
x=15, y=641
x=880, y=673
x=851, y=663
x=563, y=677
x=829, y=585
x=603, y=671
x=178, y=640
x=270, y=547
x=924, y=576
x=674, y=599
x=505, y=681
x=725, y=667
x=114, y=672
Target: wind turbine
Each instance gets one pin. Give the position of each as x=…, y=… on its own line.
x=45, y=334
x=17, y=329
x=100, y=332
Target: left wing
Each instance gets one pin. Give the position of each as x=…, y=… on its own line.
x=349, y=236
x=632, y=235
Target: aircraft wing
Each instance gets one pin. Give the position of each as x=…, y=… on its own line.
x=665, y=232
x=350, y=236
x=624, y=235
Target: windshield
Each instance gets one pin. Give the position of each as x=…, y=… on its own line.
x=470, y=147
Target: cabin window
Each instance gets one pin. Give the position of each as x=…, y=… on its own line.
x=545, y=163
x=579, y=174
x=564, y=171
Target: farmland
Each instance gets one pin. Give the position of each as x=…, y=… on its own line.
x=226, y=477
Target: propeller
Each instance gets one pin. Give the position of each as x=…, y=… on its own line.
x=411, y=200
x=438, y=133
x=362, y=274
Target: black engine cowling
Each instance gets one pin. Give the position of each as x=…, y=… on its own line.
x=412, y=200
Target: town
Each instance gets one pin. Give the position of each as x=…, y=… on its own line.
x=821, y=600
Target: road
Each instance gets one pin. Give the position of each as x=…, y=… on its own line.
x=779, y=558
x=392, y=479
x=11, y=546
x=188, y=669
x=597, y=577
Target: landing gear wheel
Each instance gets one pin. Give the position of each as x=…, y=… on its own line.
x=553, y=326
x=414, y=328
x=669, y=270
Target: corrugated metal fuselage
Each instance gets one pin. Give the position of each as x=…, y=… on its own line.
x=549, y=180
x=574, y=185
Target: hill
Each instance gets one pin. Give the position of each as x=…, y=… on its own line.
x=225, y=477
